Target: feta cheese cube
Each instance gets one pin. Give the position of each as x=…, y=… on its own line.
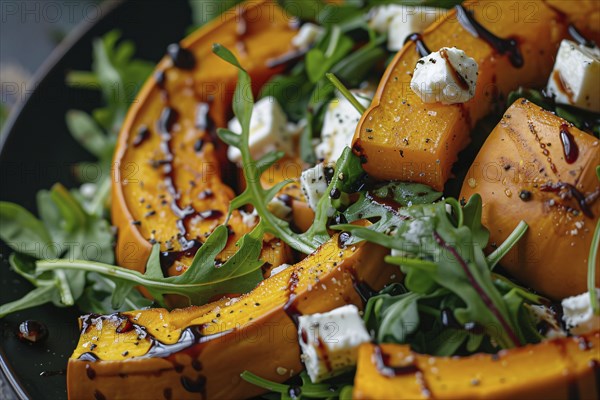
x=575, y=79
x=269, y=131
x=578, y=315
x=381, y=17
x=448, y=76
x=308, y=34
x=339, y=124
x=329, y=341
x=279, y=208
x=410, y=20
x=400, y=21
x=250, y=219
x=313, y=183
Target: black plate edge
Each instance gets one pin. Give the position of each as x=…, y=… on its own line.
x=46, y=68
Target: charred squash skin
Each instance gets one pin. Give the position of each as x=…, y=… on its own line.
x=172, y=191
x=401, y=138
x=523, y=172
x=138, y=355
x=565, y=368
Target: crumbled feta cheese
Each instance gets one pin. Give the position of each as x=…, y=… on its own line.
x=339, y=124
x=249, y=218
x=400, y=21
x=576, y=76
x=381, y=17
x=578, y=315
x=448, y=76
x=269, y=131
x=410, y=20
x=308, y=34
x=277, y=270
x=313, y=182
x=329, y=341
x=278, y=208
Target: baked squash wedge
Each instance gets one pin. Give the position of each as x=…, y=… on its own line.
x=538, y=168
x=565, y=368
x=169, y=165
x=201, y=351
x=401, y=138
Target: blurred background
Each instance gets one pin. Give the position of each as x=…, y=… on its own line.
x=29, y=31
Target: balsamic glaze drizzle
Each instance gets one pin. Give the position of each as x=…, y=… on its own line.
x=574, y=192
x=182, y=58
x=570, y=147
x=508, y=46
x=417, y=39
x=580, y=38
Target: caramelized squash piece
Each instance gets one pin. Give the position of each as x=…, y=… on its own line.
x=538, y=168
x=565, y=368
x=170, y=166
x=201, y=351
x=401, y=138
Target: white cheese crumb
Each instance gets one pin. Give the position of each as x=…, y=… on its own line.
x=329, y=341
x=575, y=78
x=308, y=34
x=314, y=184
x=447, y=76
x=278, y=208
x=339, y=125
x=250, y=219
x=410, y=20
x=269, y=131
x=578, y=315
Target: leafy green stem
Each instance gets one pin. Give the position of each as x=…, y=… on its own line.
x=102, y=194
x=63, y=286
x=592, y=259
x=508, y=244
x=264, y=383
x=345, y=92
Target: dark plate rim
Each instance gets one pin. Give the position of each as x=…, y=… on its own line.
x=48, y=66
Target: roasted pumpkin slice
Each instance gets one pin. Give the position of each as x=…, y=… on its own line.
x=538, y=168
x=189, y=352
x=402, y=138
x=565, y=368
x=170, y=168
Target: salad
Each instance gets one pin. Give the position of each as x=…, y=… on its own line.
x=360, y=199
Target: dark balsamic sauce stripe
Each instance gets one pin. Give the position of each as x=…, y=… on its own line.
x=290, y=307
x=580, y=38
x=503, y=46
x=417, y=39
x=573, y=191
x=570, y=148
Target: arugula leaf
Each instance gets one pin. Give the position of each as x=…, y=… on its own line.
x=306, y=10
x=407, y=193
x=438, y=250
x=118, y=76
x=254, y=193
x=200, y=282
x=65, y=229
x=41, y=295
x=21, y=231
x=592, y=262
x=326, y=390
